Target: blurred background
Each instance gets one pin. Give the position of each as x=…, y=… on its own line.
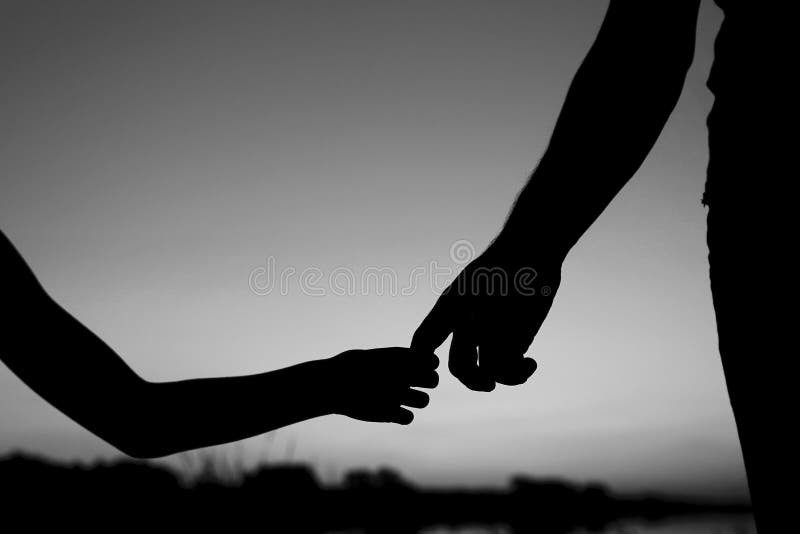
x=154, y=155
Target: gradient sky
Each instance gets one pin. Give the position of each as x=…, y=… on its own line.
x=152, y=154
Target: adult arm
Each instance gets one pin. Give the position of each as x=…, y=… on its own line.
x=618, y=103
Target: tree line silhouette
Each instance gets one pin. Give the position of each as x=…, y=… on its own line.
x=290, y=498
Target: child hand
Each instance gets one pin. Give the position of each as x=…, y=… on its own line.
x=373, y=385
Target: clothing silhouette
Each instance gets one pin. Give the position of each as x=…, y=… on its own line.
x=615, y=109
x=74, y=370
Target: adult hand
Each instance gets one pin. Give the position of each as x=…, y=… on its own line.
x=494, y=310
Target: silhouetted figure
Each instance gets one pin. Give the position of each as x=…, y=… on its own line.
x=74, y=370
x=616, y=107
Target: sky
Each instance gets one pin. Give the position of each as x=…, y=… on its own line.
x=159, y=159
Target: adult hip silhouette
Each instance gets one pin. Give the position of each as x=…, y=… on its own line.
x=616, y=107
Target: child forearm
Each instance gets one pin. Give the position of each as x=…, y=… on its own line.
x=190, y=414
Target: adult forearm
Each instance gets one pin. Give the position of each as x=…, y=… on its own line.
x=616, y=107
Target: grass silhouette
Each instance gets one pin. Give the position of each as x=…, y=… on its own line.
x=290, y=498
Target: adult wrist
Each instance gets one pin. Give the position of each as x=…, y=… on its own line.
x=529, y=246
